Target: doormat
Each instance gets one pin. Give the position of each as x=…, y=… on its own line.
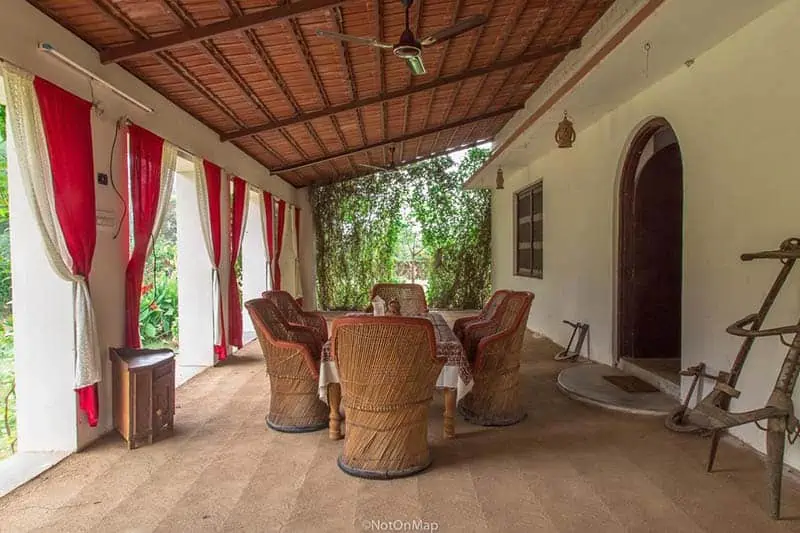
x=630, y=384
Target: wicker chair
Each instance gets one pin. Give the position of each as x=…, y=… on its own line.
x=494, y=399
x=294, y=314
x=292, y=356
x=387, y=370
x=488, y=313
x=411, y=297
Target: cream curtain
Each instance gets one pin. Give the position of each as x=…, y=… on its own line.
x=205, y=226
x=169, y=162
x=264, y=230
x=27, y=134
x=289, y=261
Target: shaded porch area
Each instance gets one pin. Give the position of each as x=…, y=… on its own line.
x=567, y=467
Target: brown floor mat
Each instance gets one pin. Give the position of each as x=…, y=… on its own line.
x=630, y=384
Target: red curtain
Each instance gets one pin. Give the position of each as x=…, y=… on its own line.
x=268, y=229
x=281, y=224
x=68, y=131
x=145, y=155
x=214, y=188
x=297, y=240
x=234, y=291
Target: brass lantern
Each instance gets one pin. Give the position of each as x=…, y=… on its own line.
x=565, y=134
x=500, y=178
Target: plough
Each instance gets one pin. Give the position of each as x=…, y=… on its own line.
x=711, y=415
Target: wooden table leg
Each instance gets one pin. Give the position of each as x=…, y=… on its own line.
x=335, y=419
x=449, y=413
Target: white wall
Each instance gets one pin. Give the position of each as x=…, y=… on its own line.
x=22, y=27
x=735, y=114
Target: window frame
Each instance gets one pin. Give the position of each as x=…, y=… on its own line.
x=535, y=188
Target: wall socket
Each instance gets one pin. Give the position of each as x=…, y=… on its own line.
x=102, y=179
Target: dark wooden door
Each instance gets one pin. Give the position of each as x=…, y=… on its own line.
x=657, y=257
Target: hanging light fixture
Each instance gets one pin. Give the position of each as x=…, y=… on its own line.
x=565, y=134
x=500, y=180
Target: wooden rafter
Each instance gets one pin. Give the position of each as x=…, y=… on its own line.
x=112, y=12
x=347, y=66
x=473, y=45
x=410, y=79
x=199, y=33
x=529, y=69
x=403, y=138
x=379, y=99
x=439, y=66
x=213, y=52
x=301, y=46
x=377, y=9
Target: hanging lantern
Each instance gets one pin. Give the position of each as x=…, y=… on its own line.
x=565, y=134
x=500, y=178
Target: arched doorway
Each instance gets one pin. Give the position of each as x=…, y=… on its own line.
x=651, y=249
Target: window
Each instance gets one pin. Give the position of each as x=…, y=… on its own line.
x=529, y=232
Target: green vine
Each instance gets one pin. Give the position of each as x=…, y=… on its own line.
x=417, y=219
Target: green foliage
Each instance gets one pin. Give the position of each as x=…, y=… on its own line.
x=374, y=229
x=8, y=419
x=158, y=307
x=358, y=225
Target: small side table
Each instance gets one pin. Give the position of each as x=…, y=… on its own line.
x=144, y=393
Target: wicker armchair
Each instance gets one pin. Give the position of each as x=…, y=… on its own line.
x=494, y=399
x=411, y=297
x=294, y=314
x=387, y=370
x=487, y=314
x=292, y=356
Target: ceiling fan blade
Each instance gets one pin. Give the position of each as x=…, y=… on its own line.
x=416, y=65
x=353, y=39
x=456, y=29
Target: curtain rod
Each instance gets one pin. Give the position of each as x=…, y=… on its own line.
x=47, y=47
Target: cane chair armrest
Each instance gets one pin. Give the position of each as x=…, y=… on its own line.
x=316, y=322
x=461, y=324
x=488, y=344
x=306, y=336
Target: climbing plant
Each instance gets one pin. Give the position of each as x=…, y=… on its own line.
x=365, y=233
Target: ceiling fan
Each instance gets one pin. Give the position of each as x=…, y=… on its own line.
x=409, y=47
x=385, y=168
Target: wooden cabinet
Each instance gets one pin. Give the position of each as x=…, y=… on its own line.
x=144, y=394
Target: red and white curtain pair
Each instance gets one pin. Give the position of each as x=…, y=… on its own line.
x=283, y=245
x=51, y=129
x=210, y=188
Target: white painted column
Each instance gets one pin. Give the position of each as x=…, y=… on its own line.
x=44, y=345
x=195, y=318
x=254, y=267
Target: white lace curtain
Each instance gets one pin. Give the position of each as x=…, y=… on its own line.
x=289, y=259
x=27, y=132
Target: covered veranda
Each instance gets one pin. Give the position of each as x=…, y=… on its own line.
x=237, y=111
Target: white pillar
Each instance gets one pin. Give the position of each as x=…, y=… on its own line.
x=254, y=267
x=196, y=321
x=44, y=345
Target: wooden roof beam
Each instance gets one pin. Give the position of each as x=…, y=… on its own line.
x=200, y=33
x=403, y=138
x=333, y=110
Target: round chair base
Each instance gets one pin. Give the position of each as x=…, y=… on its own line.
x=381, y=474
x=480, y=419
x=297, y=429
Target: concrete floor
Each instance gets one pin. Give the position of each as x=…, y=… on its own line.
x=568, y=467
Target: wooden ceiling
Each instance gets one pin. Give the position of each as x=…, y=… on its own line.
x=313, y=109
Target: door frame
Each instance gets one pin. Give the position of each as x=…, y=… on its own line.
x=625, y=232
